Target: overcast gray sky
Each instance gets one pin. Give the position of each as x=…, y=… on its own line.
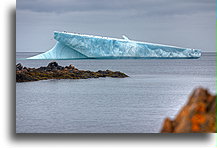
x=185, y=23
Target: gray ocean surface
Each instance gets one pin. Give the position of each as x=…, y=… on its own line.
x=155, y=89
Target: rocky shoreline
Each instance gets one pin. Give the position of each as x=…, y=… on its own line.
x=55, y=71
x=197, y=116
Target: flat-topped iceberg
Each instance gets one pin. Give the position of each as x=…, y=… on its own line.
x=80, y=46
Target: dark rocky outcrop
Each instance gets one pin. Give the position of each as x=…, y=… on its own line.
x=54, y=71
x=197, y=116
x=19, y=67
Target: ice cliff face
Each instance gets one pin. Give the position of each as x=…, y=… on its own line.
x=76, y=46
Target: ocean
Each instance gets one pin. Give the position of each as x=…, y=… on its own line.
x=154, y=90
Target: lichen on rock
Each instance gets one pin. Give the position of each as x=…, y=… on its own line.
x=197, y=116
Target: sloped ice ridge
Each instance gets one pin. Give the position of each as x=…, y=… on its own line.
x=79, y=46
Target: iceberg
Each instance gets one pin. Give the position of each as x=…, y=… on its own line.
x=80, y=46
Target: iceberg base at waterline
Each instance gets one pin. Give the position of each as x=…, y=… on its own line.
x=80, y=46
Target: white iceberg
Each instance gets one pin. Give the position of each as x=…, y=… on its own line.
x=80, y=46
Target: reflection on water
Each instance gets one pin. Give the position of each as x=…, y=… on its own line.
x=155, y=89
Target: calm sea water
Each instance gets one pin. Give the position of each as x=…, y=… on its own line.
x=155, y=89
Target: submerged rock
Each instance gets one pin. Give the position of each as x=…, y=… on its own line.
x=197, y=116
x=54, y=71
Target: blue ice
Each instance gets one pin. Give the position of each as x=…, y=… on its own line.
x=80, y=46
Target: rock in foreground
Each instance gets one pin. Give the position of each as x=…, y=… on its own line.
x=54, y=71
x=197, y=116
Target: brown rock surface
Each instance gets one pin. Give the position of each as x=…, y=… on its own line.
x=197, y=116
x=55, y=71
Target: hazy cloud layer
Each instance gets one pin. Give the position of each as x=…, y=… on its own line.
x=187, y=23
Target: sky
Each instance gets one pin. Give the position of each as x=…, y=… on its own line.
x=183, y=23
